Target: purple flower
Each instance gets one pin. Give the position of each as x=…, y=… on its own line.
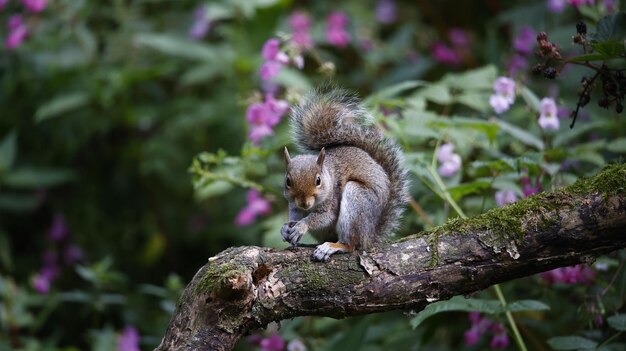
x=500, y=339
x=450, y=162
x=41, y=284
x=556, y=6
x=472, y=336
x=577, y=3
x=35, y=6
x=525, y=41
x=578, y=274
x=386, y=11
x=3, y=3
x=609, y=5
x=336, y=33
x=479, y=327
x=201, y=24
x=264, y=116
x=270, y=50
x=72, y=254
x=528, y=189
x=128, y=340
x=257, y=205
x=58, y=230
x=459, y=38
x=517, y=63
x=301, y=29
x=505, y=197
x=548, y=114
x=270, y=69
x=273, y=343
x=17, y=32
x=444, y=54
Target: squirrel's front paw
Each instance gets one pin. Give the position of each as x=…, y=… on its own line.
x=292, y=231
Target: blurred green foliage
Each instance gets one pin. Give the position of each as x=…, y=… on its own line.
x=113, y=117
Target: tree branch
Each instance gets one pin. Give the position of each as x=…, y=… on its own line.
x=245, y=288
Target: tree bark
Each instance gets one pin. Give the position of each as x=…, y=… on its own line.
x=245, y=288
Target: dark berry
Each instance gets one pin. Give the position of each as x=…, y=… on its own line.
x=542, y=36
x=578, y=39
x=538, y=68
x=604, y=102
x=619, y=108
x=581, y=27
x=549, y=72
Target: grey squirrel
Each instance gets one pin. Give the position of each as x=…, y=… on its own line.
x=349, y=188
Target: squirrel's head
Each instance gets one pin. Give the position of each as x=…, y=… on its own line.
x=307, y=181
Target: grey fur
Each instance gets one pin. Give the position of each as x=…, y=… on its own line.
x=363, y=187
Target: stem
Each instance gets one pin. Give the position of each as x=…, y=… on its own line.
x=496, y=287
x=509, y=316
x=609, y=339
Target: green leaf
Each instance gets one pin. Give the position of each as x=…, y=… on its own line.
x=567, y=135
x=437, y=92
x=609, y=49
x=394, y=90
x=571, y=343
x=18, y=203
x=8, y=150
x=588, y=57
x=457, y=303
x=530, y=98
x=462, y=190
x=617, y=322
x=521, y=135
x=293, y=78
x=60, y=105
x=182, y=47
x=618, y=145
x=611, y=27
x=527, y=305
x=29, y=178
x=480, y=78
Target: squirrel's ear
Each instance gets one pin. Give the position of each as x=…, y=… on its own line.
x=287, y=157
x=320, y=158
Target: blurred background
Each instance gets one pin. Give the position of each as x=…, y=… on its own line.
x=138, y=138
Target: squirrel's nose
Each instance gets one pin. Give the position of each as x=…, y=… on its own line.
x=306, y=203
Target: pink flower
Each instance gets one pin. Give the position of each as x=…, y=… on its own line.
x=517, y=63
x=450, y=162
x=41, y=284
x=35, y=6
x=548, y=114
x=273, y=343
x=3, y=3
x=129, y=340
x=336, y=33
x=296, y=345
x=444, y=54
x=264, y=116
x=301, y=27
x=505, y=197
x=556, y=6
x=257, y=205
x=479, y=327
x=270, y=69
x=271, y=48
x=527, y=187
x=17, y=32
x=72, y=254
x=274, y=59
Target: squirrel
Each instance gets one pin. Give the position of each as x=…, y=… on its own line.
x=349, y=188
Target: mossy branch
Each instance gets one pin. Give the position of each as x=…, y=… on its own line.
x=245, y=288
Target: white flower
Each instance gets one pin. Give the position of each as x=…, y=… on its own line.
x=499, y=103
x=505, y=87
x=547, y=114
x=504, y=197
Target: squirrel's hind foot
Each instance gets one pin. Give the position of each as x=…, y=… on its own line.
x=325, y=250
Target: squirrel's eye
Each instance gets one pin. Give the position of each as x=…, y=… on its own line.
x=318, y=180
x=288, y=182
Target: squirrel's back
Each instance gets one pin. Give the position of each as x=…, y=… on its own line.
x=333, y=117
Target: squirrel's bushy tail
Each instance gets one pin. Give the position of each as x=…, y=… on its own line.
x=331, y=117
